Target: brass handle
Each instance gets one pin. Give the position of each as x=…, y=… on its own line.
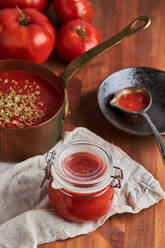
x=67, y=111
x=83, y=59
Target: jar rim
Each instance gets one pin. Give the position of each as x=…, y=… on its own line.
x=78, y=184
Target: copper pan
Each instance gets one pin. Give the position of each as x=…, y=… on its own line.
x=17, y=144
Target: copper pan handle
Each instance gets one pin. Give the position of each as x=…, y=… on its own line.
x=140, y=23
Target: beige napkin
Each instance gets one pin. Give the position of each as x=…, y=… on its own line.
x=26, y=217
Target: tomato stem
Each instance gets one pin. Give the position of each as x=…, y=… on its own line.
x=23, y=19
x=81, y=31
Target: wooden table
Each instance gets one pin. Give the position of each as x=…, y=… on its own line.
x=146, y=48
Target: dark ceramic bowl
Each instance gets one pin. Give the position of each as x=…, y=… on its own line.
x=151, y=79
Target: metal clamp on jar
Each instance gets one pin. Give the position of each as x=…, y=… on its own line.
x=82, y=180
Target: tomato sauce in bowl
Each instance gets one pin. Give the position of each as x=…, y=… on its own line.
x=26, y=99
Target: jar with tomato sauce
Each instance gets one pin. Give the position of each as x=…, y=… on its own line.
x=82, y=181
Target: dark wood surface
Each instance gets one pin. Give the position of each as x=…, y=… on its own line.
x=146, y=48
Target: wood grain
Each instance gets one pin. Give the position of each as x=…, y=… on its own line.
x=147, y=48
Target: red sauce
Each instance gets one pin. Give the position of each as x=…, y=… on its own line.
x=136, y=101
x=83, y=165
x=81, y=207
x=26, y=99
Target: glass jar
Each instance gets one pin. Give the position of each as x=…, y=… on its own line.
x=82, y=181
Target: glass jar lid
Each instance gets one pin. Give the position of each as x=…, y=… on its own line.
x=82, y=167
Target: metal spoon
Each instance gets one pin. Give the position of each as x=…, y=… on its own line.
x=114, y=103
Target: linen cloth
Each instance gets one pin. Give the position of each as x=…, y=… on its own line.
x=26, y=217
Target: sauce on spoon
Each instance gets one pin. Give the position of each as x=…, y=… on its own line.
x=133, y=101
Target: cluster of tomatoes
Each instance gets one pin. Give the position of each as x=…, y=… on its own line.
x=26, y=33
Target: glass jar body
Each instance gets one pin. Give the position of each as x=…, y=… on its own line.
x=81, y=207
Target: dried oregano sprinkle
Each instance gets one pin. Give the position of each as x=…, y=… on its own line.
x=19, y=107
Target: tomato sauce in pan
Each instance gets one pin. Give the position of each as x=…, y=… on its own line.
x=26, y=99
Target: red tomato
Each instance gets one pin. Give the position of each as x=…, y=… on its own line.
x=37, y=4
x=72, y=9
x=75, y=38
x=28, y=36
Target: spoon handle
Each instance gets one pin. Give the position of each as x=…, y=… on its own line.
x=157, y=135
